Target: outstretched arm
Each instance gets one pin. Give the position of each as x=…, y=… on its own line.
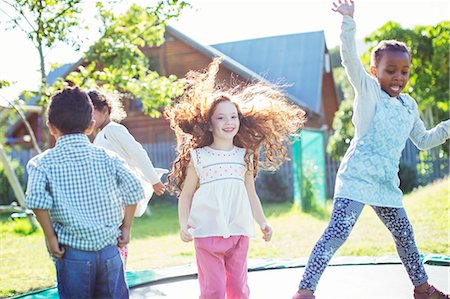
x=425, y=139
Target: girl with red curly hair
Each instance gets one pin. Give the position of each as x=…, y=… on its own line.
x=224, y=135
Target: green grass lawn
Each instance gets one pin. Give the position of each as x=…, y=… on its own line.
x=25, y=266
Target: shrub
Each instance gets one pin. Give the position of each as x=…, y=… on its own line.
x=408, y=178
x=272, y=187
x=6, y=191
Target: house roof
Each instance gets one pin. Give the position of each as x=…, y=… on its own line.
x=295, y=60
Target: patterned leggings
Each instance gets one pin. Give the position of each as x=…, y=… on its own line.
x=343, y=218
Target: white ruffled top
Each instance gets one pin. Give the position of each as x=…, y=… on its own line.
x=220, y=206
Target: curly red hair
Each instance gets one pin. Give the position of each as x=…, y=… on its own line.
x=267, y=121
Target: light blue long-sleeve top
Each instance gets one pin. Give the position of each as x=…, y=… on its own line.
x=369, y=170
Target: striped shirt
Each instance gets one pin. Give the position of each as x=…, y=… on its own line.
x=84, y=187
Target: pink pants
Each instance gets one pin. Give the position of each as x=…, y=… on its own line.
x=222, y=267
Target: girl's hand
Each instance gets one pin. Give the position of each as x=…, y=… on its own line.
x=159, y=188
x=267, y=232
x=344, y=7
x=185, y=235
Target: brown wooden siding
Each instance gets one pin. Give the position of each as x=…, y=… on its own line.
x=329, y=99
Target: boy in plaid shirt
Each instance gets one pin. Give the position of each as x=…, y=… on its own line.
x=78, y=191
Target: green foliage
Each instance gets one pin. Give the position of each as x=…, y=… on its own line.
x=310, y=198
x=116, y=61
x=23, y=228
x=4, y=83
x=344, y=88
x=343, y=130
x=342, y=124
x=335, y=57
x=45, y=23
x=273, y=188
x=6, y=191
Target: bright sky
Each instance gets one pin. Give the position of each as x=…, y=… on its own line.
x=216, y=21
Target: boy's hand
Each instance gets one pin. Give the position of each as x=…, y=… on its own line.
x=53, y=248
x=159, y=188
x=267, y=232
x=344, y=7
x=124, y=238
x=185, y=235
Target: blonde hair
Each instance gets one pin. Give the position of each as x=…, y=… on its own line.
x=267, y=121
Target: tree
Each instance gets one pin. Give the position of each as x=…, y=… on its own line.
x=116, y=61
x=4, y=83
x=342, y=122
x=343, y=130
x=429, y=80
x=10, y=174
x=45, y=22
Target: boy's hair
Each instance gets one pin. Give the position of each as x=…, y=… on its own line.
x=267, y=121
x=115, y=107
x=70, y=110
x=387, y=45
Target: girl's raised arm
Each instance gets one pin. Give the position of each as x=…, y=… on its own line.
x=357, y=75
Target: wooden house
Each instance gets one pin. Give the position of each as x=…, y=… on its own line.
x=298, y=61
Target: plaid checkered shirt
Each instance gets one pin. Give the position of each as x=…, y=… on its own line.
x=84, y=187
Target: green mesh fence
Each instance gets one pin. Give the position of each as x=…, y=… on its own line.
x=308, y=160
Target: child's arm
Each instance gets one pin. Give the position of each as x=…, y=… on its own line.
x=137, y=157
x=39, y=199
x=356, y=73
x=127, y=222
x=255, y=204
x=43, y=217
x=185, y=201
x=425, y=139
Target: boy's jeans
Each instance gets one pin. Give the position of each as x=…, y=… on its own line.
x=91, y=274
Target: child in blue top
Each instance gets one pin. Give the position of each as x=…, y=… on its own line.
x=384, y=119
x=77, y=191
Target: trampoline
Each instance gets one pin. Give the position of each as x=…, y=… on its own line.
x=346, y=277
